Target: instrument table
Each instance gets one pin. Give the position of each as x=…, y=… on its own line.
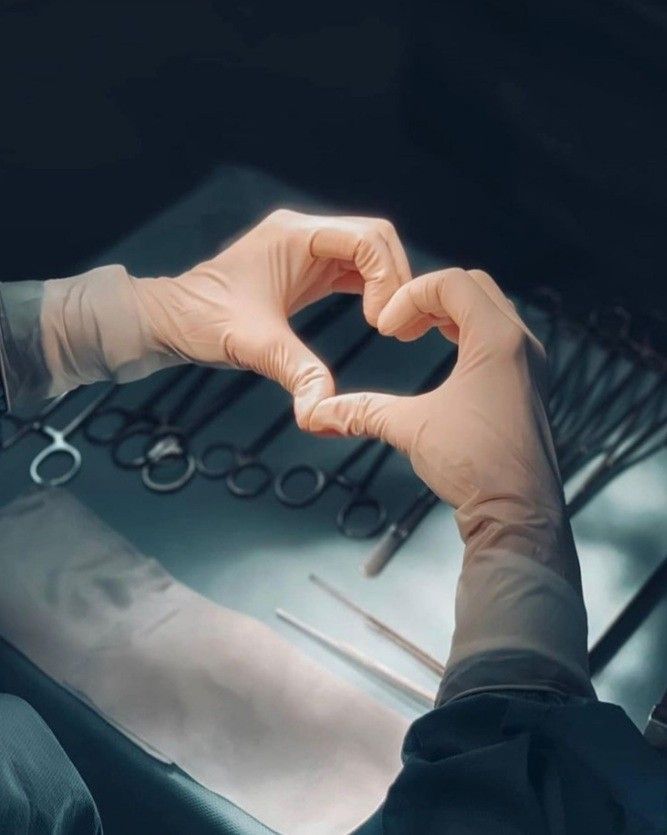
x=255, y=554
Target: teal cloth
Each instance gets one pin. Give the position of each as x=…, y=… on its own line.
x=511, y=763
x=135, y=794
x=41, y=792
x=525, y=763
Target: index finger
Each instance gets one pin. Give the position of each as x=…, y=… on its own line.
x=445, y=296
x=376, y=250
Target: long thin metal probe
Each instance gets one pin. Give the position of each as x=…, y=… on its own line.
x=383, y=628
x=419, y=694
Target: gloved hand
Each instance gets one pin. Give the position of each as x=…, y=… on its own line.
x=231, y=310
x=481, y=441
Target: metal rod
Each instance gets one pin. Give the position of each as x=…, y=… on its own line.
x=382, y=628
x=347, y=651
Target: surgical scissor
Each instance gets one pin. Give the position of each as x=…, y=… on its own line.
x=170, y=444
x=31, y=424
x=243, y=461
x=124, y=418
x=359, y=499
x=640, y=435
x=60, y=445
x=159, y=425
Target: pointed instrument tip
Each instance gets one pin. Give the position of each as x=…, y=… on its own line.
x=381, y=554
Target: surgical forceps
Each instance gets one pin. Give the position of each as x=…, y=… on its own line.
x=161, y=425
x=31, y=424
x=399, y=531
x=591, y=380
x=60, y=445
x=641, y=434
x=141, y=415
x=170, y=444
x=358, y=498
x=623, y=440
x=600, y=389
x=245, y=461
x=425, y=658
x=361, y=660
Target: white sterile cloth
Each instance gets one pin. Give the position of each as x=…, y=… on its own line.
x=213, y=691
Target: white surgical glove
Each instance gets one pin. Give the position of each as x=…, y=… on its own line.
x=231, y=310
x=482, y=442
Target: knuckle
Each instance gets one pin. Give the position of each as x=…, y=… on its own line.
x=360, y=415
x=451, y=280
x=279, y=216
x=455, y=275
x=477, y=271
x=385, y=227
x=371, y=238
x=537, y=348
x=511, y=341
x=306, y=376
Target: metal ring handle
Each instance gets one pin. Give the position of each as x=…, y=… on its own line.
x=165, y=442
x=253, y=465
x=364, y=532
x=101, y=439
x=57, y=447
x=319, y=479
x=217, y=472
x=151, y=467
x=135, y=430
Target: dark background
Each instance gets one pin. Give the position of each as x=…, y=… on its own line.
x=527, y=138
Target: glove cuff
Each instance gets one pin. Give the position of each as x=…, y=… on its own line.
x=539, y=531
x=93, y=328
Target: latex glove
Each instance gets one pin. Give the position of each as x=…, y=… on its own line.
x=231, y=310
x=482, y=442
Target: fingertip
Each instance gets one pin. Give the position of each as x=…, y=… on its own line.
x=371, y=309
x=392, y=316
x=322, y=420
x=328, y=433
x=382, y=323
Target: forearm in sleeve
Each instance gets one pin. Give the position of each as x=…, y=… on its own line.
x=520, y=618
x=63, y=333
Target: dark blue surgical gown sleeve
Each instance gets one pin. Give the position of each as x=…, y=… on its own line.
x=526, y=763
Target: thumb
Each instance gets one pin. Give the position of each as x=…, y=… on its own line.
x=365, y=413
x=301, y=372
